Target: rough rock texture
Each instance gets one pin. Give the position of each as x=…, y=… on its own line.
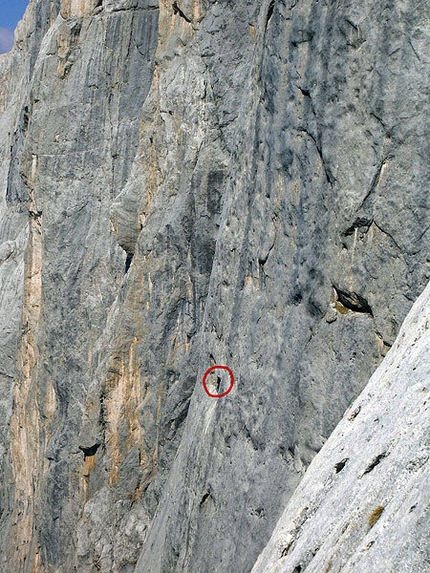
x=185, y=184
x=364, y=502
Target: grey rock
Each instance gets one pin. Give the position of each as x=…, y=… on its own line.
x=363, y=504
x=213, y=183
x=303, y=172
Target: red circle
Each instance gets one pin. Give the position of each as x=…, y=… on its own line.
x=231, y=381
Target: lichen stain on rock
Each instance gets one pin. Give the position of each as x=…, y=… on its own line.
x=77, y=8
x=123, y=396
x=27, y=458
x=67, y=46
x=89, y=465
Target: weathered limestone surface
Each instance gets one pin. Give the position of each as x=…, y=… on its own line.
x=186, y=184
x=363, y=504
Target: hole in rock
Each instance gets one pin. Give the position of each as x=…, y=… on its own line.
x=128, y=262
x=205, y=498
x=296, y=297
x=374, y=463
x=25, y=119
x=353, y=301
x=90, y=451
x=270, y=11
x=340, y=465
x=361, y=223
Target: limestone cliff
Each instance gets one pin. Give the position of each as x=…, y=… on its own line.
x=185, y=184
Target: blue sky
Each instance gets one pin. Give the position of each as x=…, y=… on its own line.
x=11, y=12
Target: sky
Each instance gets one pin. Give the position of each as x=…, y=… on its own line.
x=11, y=12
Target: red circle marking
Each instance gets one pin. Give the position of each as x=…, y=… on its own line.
x=231, y=381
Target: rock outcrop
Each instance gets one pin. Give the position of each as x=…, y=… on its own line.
x=363, y=504
x=186, y=184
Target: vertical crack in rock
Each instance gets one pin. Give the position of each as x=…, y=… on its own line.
x=375, y=180
x=270, y=11
x=352, y=301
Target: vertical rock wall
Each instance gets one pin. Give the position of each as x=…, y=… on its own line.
x=192, y=183
x=74, y=140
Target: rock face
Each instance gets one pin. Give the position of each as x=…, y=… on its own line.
x=186, y=184
x=363, y=504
